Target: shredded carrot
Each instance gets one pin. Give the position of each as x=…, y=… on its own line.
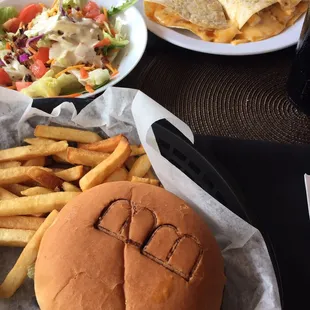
x=33, y=51
x=89, y=68
x=69, y=96
x=30, y=25
x=89, y=88
x=113, y=32
x=105, y=12
x=114, y=73
x=55, y=3
x=42, y=5
x=50, y=61
x=8, y=46
x=109, y=66
x=115, y=50
x=84, y=73
x=68, y=69
x=11, y=87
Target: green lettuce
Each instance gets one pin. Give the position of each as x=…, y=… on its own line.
x=117, y=9
x=45, y=87
x=69, y=84
x=7, y=13
x=74, y=3
x=44, y=42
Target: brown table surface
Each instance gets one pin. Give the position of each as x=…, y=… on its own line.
x=240, y=97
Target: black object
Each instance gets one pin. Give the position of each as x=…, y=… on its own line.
x=205, y=172
x=299, y=79
x=271, y=177
x=48, y=104
x=209, y=174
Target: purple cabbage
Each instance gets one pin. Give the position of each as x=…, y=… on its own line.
x=2, y=64
x=23, y=58
x=34, y=39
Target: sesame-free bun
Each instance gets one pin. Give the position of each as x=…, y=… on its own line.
x=131, y=246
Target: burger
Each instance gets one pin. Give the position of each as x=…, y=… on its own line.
x=129, y=246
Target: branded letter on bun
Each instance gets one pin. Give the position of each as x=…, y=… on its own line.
x=130, y=246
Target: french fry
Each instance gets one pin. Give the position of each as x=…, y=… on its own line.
x=55, y=170
x=98, y=174
x=85, y=157
x=129, y=162
x=10, y=164
x=105, y=146
x=150, y=175
x=141, y=166
x=44, y=178
x=60, y=133
x=15, y=175
x=71, y=174
x=68, y=187
x=144, y=180
x=17, y=275
x=39, y=161
x=15, y=237
x=16, y=188
x=35, y=204
x=39, y=141
x=21, y=222
x=37, y=190
x=32, y=151
x=61, y=157
x=137, y=150
x=120, y=174
x=5, y=194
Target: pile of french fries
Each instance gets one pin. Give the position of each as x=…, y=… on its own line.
x=38, y=179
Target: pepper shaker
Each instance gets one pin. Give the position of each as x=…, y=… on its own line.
x=298, y=86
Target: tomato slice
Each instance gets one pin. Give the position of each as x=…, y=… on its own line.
x=12, y=25
x=38, y=68
x=100, y=19
x=28, y=13
x=22, y=85
x=104, y=42
x=5, y=79
x=91, y=10
x=42, y=54
x=84, y=73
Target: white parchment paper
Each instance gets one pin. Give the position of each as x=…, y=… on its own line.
x=251, y=282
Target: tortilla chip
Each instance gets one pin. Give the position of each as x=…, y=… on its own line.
x=171, y=19
x=203, y=13
x=240, y=11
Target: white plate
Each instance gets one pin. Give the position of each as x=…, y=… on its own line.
x=136, y=34
x=188, y=40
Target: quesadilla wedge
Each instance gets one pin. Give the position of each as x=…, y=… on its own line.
x=260, y=22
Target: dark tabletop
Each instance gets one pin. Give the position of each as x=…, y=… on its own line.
x=241, y=97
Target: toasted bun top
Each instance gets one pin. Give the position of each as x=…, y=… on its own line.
x=129, y=246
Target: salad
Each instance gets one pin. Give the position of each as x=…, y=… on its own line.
x=65, y=50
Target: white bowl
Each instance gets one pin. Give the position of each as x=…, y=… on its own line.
x=136, y=30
